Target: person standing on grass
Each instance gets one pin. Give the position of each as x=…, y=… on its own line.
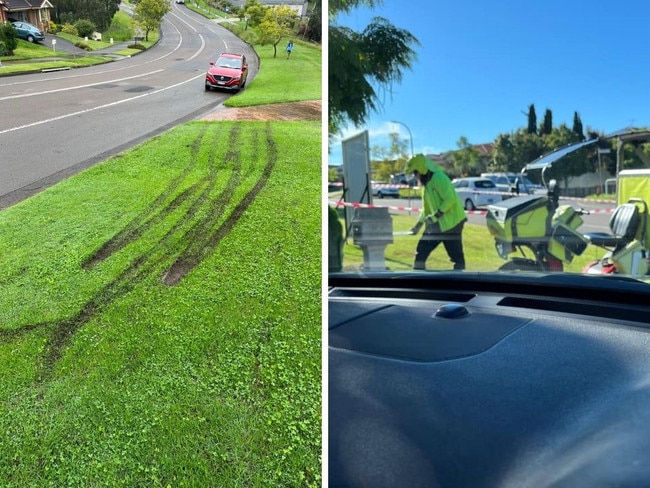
x=442, y=213
x=289, y=48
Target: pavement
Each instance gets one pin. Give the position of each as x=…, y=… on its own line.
x=69, y=47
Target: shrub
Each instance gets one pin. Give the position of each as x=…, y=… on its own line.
x=137, y=46
x=53, y=28
x=84, y=27
x=69, y=29
x=83, y=45
x=8, y=39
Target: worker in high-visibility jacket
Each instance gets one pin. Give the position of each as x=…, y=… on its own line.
x=442, y=215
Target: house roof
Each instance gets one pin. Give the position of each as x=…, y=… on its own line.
x=13, y=5
x=445, y=159
x=239, y=3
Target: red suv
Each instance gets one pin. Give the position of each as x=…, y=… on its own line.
x=229, y=71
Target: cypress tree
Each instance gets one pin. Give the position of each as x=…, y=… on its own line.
x=577, y=126
x=532, y=120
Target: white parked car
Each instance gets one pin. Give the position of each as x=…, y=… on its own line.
x=382, y=190
x=508, y=182
x=476, y=192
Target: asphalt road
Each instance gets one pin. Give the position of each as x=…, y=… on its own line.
x=56, y=124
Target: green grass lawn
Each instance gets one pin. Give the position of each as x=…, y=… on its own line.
x=478, y=244
x=29, y=57
x=111, y=373
x=283, y=80
x=160, y=314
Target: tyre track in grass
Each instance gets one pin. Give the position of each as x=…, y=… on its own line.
x=205, y=218
x=208, y=234
x=153, y=214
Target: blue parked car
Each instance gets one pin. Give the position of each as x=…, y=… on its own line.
x=28, y=32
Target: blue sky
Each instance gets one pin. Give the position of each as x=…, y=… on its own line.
x=481, y=63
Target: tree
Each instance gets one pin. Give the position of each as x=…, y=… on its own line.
x=358, y=60
x=99, y=12
x=466, y=160
x=577, y=127
x=149, y=14
x=503, y=153
x=547, y=125
x=386, y=162
x=314, y=24
x=254, y=10
x=277, y=23
x=532, y=120
x=526, y=148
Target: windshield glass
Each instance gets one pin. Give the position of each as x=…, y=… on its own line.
x=556, y=173
x=229, y=63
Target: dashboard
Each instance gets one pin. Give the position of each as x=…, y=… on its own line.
x=483, y=380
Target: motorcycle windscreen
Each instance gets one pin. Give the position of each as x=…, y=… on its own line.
x=551, y=157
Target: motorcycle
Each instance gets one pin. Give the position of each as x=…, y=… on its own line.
x=539, y=229
x=549, y=231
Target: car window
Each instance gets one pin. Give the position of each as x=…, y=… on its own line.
x=484, y=184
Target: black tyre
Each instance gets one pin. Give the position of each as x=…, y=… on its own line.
x=380, y=195
x=521, y=264
x=469, y=204
x=207, y=87
x=30, y=38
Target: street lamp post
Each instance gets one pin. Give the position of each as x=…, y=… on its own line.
x=600, y=168
x=412, y=154
x=409, y=131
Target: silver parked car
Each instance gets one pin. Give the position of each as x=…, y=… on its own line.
x=477, y=192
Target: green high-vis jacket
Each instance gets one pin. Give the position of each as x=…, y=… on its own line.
x=437, y=195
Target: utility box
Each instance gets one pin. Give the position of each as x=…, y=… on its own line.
x=518, y=218
x=372, y=231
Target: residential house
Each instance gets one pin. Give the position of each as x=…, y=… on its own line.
x=298, y=6
x=447, y=162
x=3, y=12
x=36, y=12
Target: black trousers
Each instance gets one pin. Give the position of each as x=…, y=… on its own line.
x=452, y=239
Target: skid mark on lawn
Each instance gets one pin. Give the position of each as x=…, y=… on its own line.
x=205, y=236
x=204, y=215
x=153, y=214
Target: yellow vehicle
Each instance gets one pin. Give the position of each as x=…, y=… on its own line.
x=628, y=245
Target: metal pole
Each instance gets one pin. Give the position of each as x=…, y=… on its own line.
x=600, y=167
x=412, y=154
x=600, y=171
x=410, y=134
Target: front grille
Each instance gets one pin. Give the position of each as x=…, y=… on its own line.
x=221, y=78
